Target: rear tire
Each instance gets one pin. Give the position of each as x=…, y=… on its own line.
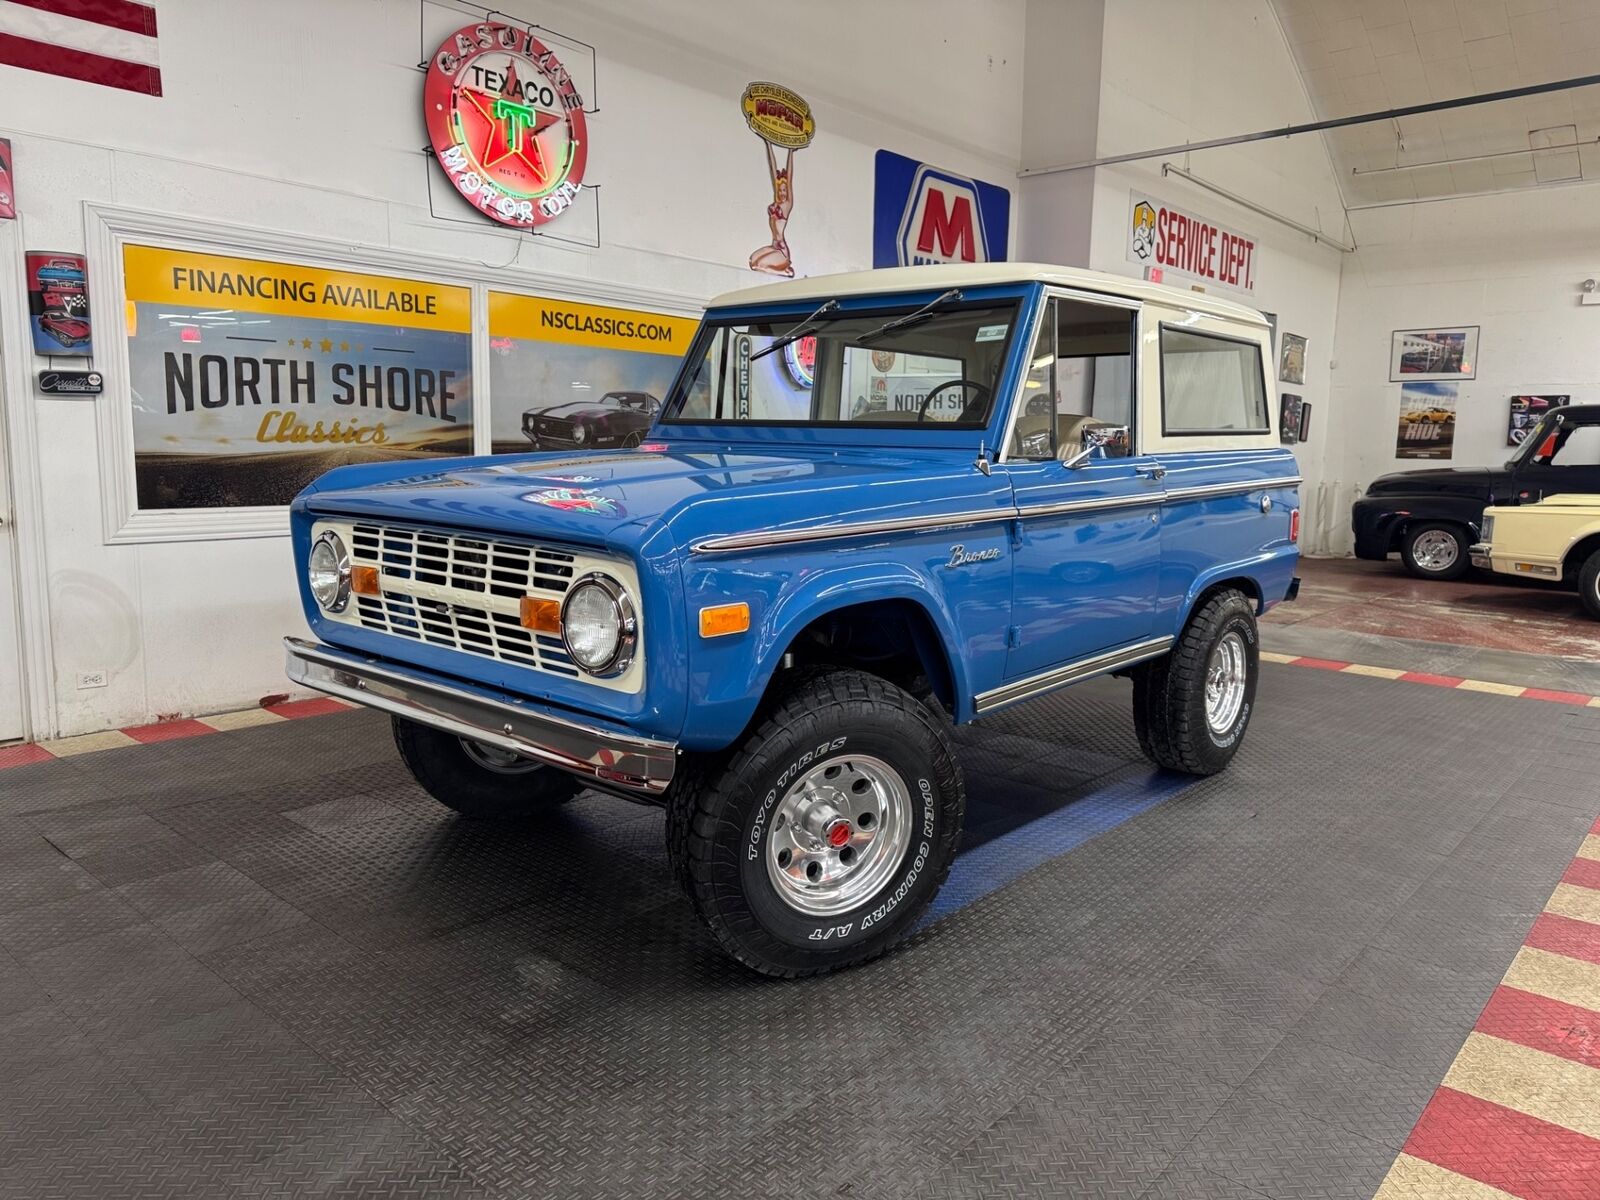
x=1589, y=585
x=477, y=781
x=1435, y=551
x=751, y=830
x=1192, y=705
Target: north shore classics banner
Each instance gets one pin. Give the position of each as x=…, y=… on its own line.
x=249, y=379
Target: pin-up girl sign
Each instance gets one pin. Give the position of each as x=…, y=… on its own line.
x=782, y=120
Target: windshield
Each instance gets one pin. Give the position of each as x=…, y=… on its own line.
x=940, y=368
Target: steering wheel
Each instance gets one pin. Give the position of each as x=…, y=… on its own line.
x=981, y=397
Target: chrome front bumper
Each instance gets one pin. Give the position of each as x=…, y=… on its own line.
x=614, y=760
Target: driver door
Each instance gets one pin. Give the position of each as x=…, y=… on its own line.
x=1087, y=553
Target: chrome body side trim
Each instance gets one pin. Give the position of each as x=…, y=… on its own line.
x=1212, y=490
x=617, y=761
x=826, y=533
x=1047, y=681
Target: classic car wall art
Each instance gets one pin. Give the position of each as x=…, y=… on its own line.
x=773, y=611
x=615, y=419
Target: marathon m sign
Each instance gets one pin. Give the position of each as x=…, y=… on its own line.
x=924, y=214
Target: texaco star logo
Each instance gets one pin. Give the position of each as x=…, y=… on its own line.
x=506, y=123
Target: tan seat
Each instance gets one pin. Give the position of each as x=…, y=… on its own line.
x=1069, y=430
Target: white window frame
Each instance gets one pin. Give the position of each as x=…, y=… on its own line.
x=108, y=228
x=1155, y=439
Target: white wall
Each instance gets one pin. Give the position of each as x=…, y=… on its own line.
x=1173, y=71
x=1512, y=264
x=304, y=116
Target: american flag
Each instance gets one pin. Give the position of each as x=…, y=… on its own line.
x=109, y=42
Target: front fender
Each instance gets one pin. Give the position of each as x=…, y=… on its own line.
x=729, y=675
x=1378, y=521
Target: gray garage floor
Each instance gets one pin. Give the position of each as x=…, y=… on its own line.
x=262, y=963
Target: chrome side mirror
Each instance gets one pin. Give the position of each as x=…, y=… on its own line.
x=1110, y=440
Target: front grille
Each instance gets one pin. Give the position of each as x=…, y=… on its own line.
x=464, y=593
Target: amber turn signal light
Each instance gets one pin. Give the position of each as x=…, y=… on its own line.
x=364, y=581
x=541, y=616
x=722, y=619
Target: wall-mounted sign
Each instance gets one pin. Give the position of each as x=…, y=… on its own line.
x=71, y=383
x=1292, y=359
x=8, y=192
x=1528, y=411
x=58, y=303
x=249, y=379
x=1183, y=243
x=506, y=123
x=800, y=360
x=782, y=120
x=566, y=375
x=925, y=214
x=1427, y=420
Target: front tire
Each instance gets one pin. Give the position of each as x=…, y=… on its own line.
x=1589, y=585
x=478, y=781
x=1434, y=551
x=1192, y=705
x=818, y=841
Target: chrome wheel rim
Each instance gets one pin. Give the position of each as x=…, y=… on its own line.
x=1225, y=680
x=501, y=762
x=838, y=835
x=1435, y=550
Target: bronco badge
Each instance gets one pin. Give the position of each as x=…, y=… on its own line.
x=960, y=556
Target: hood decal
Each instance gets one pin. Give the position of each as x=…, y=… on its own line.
x=576, y=500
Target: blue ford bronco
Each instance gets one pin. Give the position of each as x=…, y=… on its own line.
x=871, y=505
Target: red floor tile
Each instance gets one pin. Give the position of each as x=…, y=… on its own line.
x=21, y=756
x=167, y=731
x=1445, y=681
x=1504, y=1148
x=317, y=706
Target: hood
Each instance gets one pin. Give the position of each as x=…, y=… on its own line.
x=573, y=408
x=1445, y=481
x=617, y=498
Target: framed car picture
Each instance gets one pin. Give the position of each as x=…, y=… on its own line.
x=1304, y=432
x=1292, y=359
x=1288, y=418
x=1528, y=411
x=1419, y=355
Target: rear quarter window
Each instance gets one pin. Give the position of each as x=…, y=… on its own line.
x=1211, y=384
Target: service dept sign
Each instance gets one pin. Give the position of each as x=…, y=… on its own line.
x=1184, y=243
x=506, y=123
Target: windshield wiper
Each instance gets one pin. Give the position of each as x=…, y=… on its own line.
x=922, y=314
x=797, y=332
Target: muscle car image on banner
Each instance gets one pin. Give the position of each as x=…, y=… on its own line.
x=249, y=379
x=568, y=376
x=1427, y=420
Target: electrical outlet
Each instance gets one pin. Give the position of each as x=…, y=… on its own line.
x=91, y=679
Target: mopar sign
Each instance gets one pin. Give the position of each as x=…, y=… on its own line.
x=924, y=214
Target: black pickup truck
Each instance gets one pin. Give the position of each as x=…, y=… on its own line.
x=1431, y=517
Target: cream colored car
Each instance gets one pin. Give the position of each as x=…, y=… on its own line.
x=1557, y=538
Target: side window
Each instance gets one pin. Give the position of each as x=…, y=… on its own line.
x=1210, y=384
x=1581, y=449
x=1079, y=376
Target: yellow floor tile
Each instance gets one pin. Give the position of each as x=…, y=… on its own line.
x=241, y=720
x=1569, y=980
x=1499, y=689
x=1375, y=672
x=1590, y=847
x=1579, y=903
x=1268, y=656
x=1530, y=1081
x=1417, y=1179
x=110, y=739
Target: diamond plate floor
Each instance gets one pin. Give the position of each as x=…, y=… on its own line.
x=263, y=963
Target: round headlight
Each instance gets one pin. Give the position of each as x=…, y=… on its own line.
x=579, y=435
x=328, y=573
x=598, y=625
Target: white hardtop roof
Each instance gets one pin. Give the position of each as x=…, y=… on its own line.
x=960, y=275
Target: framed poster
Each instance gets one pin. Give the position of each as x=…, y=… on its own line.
x=1289, y=406
x=1292, y=359
x=1528, y=411
x=249, y=378
x=1428, y=354
x=1304, y=432
x=1427, y=426
x=570, y=376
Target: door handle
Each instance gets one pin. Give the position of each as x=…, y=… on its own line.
x=1155, y=471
